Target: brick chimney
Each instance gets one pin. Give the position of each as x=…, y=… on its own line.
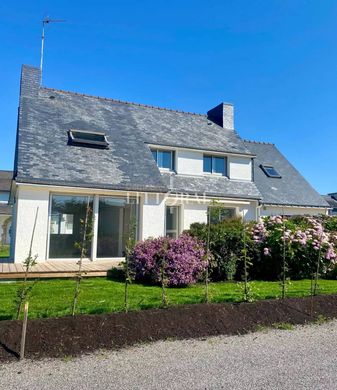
x=222, y=115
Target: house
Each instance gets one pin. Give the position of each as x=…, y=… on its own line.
x=129, y=163
x=331, y=199
x=5, y=209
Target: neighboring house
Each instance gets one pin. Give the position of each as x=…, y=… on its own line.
x=5, y=208
x=131, y=162
x=331, y=199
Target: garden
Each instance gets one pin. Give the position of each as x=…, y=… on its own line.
x=234, y=274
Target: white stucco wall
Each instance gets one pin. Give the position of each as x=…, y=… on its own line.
x=193, y=213
x=240, y=168
x=28, y=200
x=273, y=210
x=189, y=162
x=152, y=216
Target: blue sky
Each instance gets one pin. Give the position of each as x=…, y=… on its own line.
x=276, y=60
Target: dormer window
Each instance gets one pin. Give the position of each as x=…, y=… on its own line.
x=215, y=164
x=164, y=158
x=270, y=171
x=91, y=139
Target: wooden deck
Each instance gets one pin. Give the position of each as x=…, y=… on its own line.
x=57, y=269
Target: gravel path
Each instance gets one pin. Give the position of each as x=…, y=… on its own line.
x=303, y=358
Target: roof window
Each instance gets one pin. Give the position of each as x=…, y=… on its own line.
x=88, y=138
x=270, y=171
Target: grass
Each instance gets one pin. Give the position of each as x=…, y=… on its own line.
x=4, y=250
x=53, y=298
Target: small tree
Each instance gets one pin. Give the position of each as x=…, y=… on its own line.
x=25, y=289
x=83, y=249
x=129, y=246
x=247, y=288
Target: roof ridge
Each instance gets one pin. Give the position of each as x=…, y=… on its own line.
x=258, y=142
x=122, y=101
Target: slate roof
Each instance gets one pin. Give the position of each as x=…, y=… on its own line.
x=216, y=186
x=292, y=189
x=44, y=157
x=331, y=199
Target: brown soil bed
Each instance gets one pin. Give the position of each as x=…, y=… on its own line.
x=70, y=336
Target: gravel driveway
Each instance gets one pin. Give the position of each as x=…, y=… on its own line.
x=303, y=358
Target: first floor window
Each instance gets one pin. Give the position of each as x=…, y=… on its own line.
x=172, y=221
x=219, y=214
x=68, y=213
x=164, y=158
x=215, y=164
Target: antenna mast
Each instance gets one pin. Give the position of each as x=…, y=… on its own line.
x=45, y=21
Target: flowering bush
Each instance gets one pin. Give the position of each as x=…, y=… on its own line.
x=183, y=260
x=303, y=239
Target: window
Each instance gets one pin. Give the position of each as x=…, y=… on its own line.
x=4, y=196
x=164, y=158
x=270, y=171
x=88, y=138
x=116, y=218
x=219, y=214
x=172, y=221
x=66, y=225
x=215, y=164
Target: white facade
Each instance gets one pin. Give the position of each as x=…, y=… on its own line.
x=32, y=200
x=190, y=162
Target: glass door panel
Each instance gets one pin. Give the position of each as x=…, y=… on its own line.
x=115, y=218
x=66, y=225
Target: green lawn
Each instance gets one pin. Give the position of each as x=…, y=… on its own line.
x=52, y=298
x=4, y=250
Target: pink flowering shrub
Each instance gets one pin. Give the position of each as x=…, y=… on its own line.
x=305, y=239
x=184, y=260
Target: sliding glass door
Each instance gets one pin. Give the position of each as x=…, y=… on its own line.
x=116, y=219
x=66, y=225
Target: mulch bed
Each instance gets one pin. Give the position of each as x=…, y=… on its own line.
x=70, y=336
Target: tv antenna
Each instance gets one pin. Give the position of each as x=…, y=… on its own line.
x=46, y=21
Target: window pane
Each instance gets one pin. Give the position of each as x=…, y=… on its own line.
x=4, y=196
x=208, y=164
x=218, y=214
x=172, y=221
x=154, y=154
x=167, y=159
x=271, y=171
x=219, y=165
x=116, y=217
x=67, y=225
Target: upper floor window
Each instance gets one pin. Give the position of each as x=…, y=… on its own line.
x=4, y=196
x=270, y=171
x=215, y=164
x=164, y=158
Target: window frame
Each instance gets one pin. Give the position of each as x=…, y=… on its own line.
x=156, y=151
x=78, y=141
x=265, y=168
x=213, y=172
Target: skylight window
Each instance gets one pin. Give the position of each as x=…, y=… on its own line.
x=270, y=171
x=88, y=138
